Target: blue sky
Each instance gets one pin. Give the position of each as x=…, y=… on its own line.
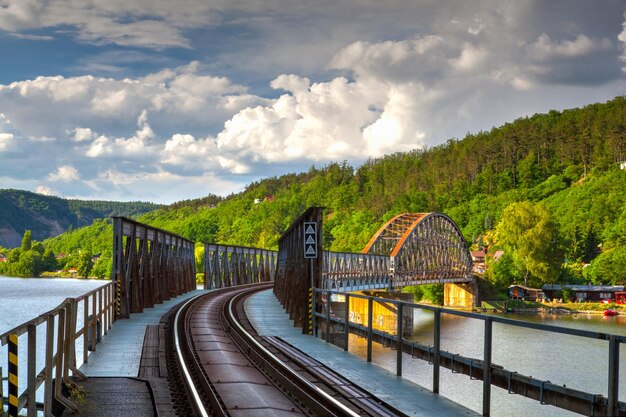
x=161, y=101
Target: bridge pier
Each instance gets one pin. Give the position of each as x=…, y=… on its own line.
x=461, y=294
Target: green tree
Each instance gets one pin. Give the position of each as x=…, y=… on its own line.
x=502, y=272
x=14, y=255
x=199, y=258
x=26, y=241
x=49, y=261
x=85, y=264
x=29, y=264
x=38, y=247
x=608, y=268
x=529, y=233
x=102, y=267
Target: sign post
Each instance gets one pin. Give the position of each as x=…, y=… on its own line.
x=310, y=240
x=310, y=253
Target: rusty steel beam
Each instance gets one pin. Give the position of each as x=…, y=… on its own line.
x=295, y=273
x=342, y=270
x=228, y=265
x=424, y=248
x=151, y=265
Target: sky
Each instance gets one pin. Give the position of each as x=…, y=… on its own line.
x=161, y=100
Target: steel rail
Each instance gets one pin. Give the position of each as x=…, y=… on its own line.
x=259, y=348
x=197, y=400
x=197, y=381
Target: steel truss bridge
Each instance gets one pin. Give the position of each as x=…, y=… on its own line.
x=410, y=249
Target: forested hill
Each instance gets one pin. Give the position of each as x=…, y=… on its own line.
x=547, y=189
x=48, y=216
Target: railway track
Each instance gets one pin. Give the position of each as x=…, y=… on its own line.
x=226, y=369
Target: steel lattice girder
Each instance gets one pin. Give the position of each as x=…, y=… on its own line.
x=423, y=247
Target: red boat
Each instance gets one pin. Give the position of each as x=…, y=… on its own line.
x=610, y=312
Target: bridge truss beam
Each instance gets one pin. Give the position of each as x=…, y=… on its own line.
x=150, y=265
x=294, y=273
x=424, y=248
x=227, y=265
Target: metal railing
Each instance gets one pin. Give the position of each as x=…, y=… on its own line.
x=150, y=265
x=544, y=391
x=344, y=271
x=228, y=265
x=61, y=334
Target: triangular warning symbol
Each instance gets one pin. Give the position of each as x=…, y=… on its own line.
x=310, y=250
x=310, y=230
x=310, y=240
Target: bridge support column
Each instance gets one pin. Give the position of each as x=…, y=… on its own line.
x=460, y=295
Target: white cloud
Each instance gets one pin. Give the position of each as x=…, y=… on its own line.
x=185, y=150
x=350, y=81
x=32, y=37
x=65, y=173
x=17, y=15
x=154, y=24
x=159, y=186
x=176, y=99
x=5, y=141
x=522, y=84
x=82, y=134
x=137, y=146
x=470, y=59
x=99, y=147
x=42, y=189
x=545, y=48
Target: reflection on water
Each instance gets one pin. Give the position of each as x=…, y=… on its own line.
x=577, y=362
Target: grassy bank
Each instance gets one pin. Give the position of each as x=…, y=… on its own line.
x=580, y=307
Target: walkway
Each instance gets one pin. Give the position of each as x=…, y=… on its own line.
x=113, y=387
x=119, y=353
x=269, y=319
x=119, y=356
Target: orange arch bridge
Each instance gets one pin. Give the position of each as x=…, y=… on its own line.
x=423, y=248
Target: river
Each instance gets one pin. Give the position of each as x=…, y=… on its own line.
x=22, y=299
x=579, y=363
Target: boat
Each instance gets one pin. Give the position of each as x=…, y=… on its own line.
x=609, y=312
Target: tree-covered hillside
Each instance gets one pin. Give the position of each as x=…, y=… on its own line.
x=547, y=190
x=47, y=216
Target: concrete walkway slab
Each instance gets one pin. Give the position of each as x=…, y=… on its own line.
x=269, y=319
x=119, y=353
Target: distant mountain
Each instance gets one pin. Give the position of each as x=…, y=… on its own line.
x=47, y=216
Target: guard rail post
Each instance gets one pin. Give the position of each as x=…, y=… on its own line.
x=85, y=338
x=613, y=394
x=436, y=348
x=13, y=376
x=1, y=393
x=370, y=307
x=48, y=394
x=399, y=340
x=32, y=371
x=346, y=328
x=487, y=367
x=328, y=297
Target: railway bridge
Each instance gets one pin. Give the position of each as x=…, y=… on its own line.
x=267, y=330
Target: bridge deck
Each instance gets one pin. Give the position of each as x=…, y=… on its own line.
x=269, y=319
x=113, y=387
x=119, y=353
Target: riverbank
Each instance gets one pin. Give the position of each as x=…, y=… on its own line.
x=517, y=306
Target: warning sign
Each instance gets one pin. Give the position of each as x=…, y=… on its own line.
x=310, y=239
